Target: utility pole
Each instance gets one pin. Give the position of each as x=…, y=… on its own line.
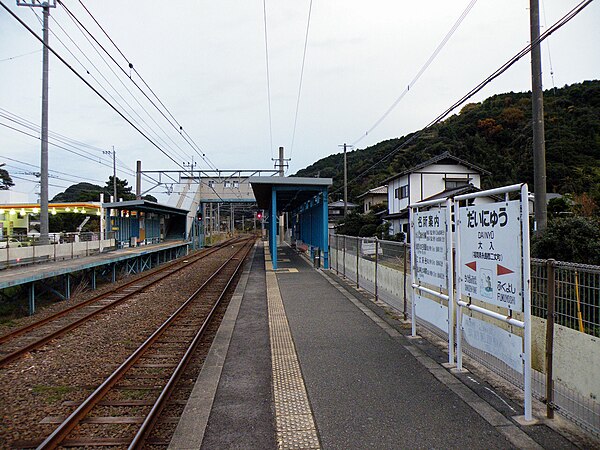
x=44, y=220
x=114, y=155
x=281, y=162
x=345, y=179
x=138, y=180
x=537, y=101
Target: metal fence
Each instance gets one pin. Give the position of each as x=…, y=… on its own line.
x=563, y=294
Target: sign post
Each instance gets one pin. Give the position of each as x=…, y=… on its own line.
x=493, y=268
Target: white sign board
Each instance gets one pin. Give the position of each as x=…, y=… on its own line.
x=368, y=248
x=500, y=343
x=490, y=253
x=433, y=312
x=430, y=247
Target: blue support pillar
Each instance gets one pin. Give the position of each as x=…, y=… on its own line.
x=325, y=225
x=273, y=234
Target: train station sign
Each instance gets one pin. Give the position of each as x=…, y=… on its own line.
x=490, y=253
x=430, y=247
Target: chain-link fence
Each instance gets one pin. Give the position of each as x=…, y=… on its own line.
x=566, y=320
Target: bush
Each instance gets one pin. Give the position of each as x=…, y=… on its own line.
x=570, y=239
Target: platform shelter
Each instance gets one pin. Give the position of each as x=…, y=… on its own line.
x=139, y=222
x=304, y=202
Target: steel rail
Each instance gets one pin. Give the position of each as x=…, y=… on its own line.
x=64, y=312
x=49, y=337
x=150, y=420
x=75, y=418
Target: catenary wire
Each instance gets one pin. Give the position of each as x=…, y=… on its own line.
x=176, y=125
x=51, y=170
x=421, y=71
x=557, y=25
x=85, y=34
x=61, y=59
x=301, y=78
x=268, y=77
x=130, y=110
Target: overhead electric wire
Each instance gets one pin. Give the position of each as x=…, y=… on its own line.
x=33, y=127
x=557, y=25
x=85, y=34
x=177, y=126
x=61, y=59
x=301, y=77
x=19, y=56
x=268, y=76
x=130, y=109
x=421, y=71
x=84, y=154
x=51, y=170
x=549, y=53
x=34, y=181
x=56, y=145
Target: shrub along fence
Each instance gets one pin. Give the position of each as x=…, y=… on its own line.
x=565, y=329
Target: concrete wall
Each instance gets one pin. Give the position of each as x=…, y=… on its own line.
x=576, y=359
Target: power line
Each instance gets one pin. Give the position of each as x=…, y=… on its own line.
x=20, y=56
x=49, y=184
x=177, y=126
x=557, y=25
x=88, y=84
x=268, y=77
x=84, y=31
x=421, y=71
x=148, y=128
x=55, y=145
x=54, y=171
x=301, y=77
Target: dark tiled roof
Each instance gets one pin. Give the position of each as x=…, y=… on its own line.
x=437, y=159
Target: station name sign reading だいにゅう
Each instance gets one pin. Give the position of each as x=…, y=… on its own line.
x=490, y=253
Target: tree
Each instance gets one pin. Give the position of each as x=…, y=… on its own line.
x=6, y=181
x=80, y=192
x=123, y=190
x=571, y=239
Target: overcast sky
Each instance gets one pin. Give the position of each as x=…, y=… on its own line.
x=206, y=62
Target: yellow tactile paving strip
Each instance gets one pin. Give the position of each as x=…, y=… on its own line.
x=295, y=423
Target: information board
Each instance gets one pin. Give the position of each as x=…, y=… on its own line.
x=490, y=253
x=430, y=247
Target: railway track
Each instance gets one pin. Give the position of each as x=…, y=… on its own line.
x=23, y=340
x=126, y=407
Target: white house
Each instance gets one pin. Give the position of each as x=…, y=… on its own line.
x=443, y=175
x=373, y=197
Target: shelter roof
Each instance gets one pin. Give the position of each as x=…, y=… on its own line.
x=146, y=206
x=292, y=192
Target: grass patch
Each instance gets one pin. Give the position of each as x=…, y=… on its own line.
x=134, y=394
x=52, y=393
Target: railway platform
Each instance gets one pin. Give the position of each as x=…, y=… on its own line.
x=130, y=260
x=303, y=360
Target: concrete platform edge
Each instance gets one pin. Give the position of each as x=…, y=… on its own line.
x=190, y=430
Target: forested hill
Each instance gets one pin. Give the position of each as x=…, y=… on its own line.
x=495, y=134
